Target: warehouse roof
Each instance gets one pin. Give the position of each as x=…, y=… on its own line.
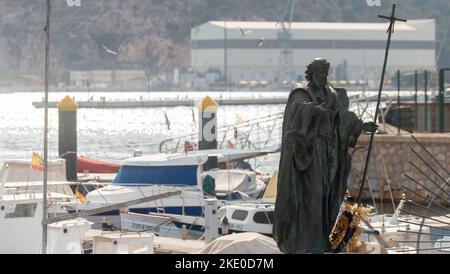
x=410, y=25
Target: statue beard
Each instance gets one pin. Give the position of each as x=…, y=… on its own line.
x=320, y=89
x=318, y=85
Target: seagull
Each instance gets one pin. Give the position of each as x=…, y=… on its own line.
x=244, y=32
x=72, y=35
x=260, y=42
x=109, y=51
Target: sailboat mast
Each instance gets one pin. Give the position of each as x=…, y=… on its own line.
x=44, y=192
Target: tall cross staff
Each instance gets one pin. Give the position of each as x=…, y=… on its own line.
x=392, y=19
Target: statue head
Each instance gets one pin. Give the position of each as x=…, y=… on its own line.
x=317, y=72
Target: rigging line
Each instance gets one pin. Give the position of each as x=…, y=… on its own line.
x=425, y=233
x=423, y=197
x=425, y=217
x=443, y=249
x=429, y=153
x=436, y=195
x=365, y=70
x=423, y=241
x=431, y=180
x=430, y=167
x=370, y=190
x=421, y=233
x=432, y=210
x=388, y=181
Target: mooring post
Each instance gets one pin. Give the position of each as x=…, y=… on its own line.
x=399, y=115
x=67, y=136
x=207, y=135
x=211, y=224
x=416, y=88
x=426, y=99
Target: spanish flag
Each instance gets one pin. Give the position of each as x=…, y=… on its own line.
x=37, y=162
x=80, y=197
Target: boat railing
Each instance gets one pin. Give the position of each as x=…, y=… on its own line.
x=261, y=133
x=16, y=194
x=258, y=134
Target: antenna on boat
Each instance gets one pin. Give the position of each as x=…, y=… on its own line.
x=44, y=194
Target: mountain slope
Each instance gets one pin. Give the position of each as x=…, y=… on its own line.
x=155, y=34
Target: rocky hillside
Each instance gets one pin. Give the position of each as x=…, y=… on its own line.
x=155, y=34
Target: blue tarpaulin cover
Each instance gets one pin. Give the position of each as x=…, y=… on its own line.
x=157, y=175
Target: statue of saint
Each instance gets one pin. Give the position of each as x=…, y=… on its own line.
x=315, y=163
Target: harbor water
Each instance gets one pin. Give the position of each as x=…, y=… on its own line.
x=113, y=134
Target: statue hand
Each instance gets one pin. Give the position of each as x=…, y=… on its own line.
x=370, y=127
x=321, y=109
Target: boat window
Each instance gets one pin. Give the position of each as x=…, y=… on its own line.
x=263, y=217
x=239, y=215
x=22, y=211
x=221, y=213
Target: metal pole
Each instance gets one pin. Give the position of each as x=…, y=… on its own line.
x=225, y=55
x=415, y=99
x=392, y=20
x=399, y=115
x=426, y=100
x=442, y=98
x=44, y=191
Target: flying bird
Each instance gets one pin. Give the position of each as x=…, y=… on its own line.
x=72, y=35
x=244, y=32
x=109, y=51
x=260, y=42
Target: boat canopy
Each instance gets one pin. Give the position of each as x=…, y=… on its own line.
x=161, y=169
x=198, y=157
x=229, y=155
x=21, y=171
x=157, y=175
x=162, y=159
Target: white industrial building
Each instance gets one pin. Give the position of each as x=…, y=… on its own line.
x=81, y=77
x=253, y=51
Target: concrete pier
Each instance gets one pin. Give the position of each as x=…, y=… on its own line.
x=171, y=102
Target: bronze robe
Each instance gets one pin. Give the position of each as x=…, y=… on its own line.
x=314, y=167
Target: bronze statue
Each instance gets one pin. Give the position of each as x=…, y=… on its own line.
x=315, y=163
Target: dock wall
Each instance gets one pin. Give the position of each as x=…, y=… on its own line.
x=390, y=160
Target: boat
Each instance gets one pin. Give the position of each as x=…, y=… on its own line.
x=227, y=182
x=150, y=175
x=252, y=215
x=18, y=175
x=21, y=216
x=87, y=165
